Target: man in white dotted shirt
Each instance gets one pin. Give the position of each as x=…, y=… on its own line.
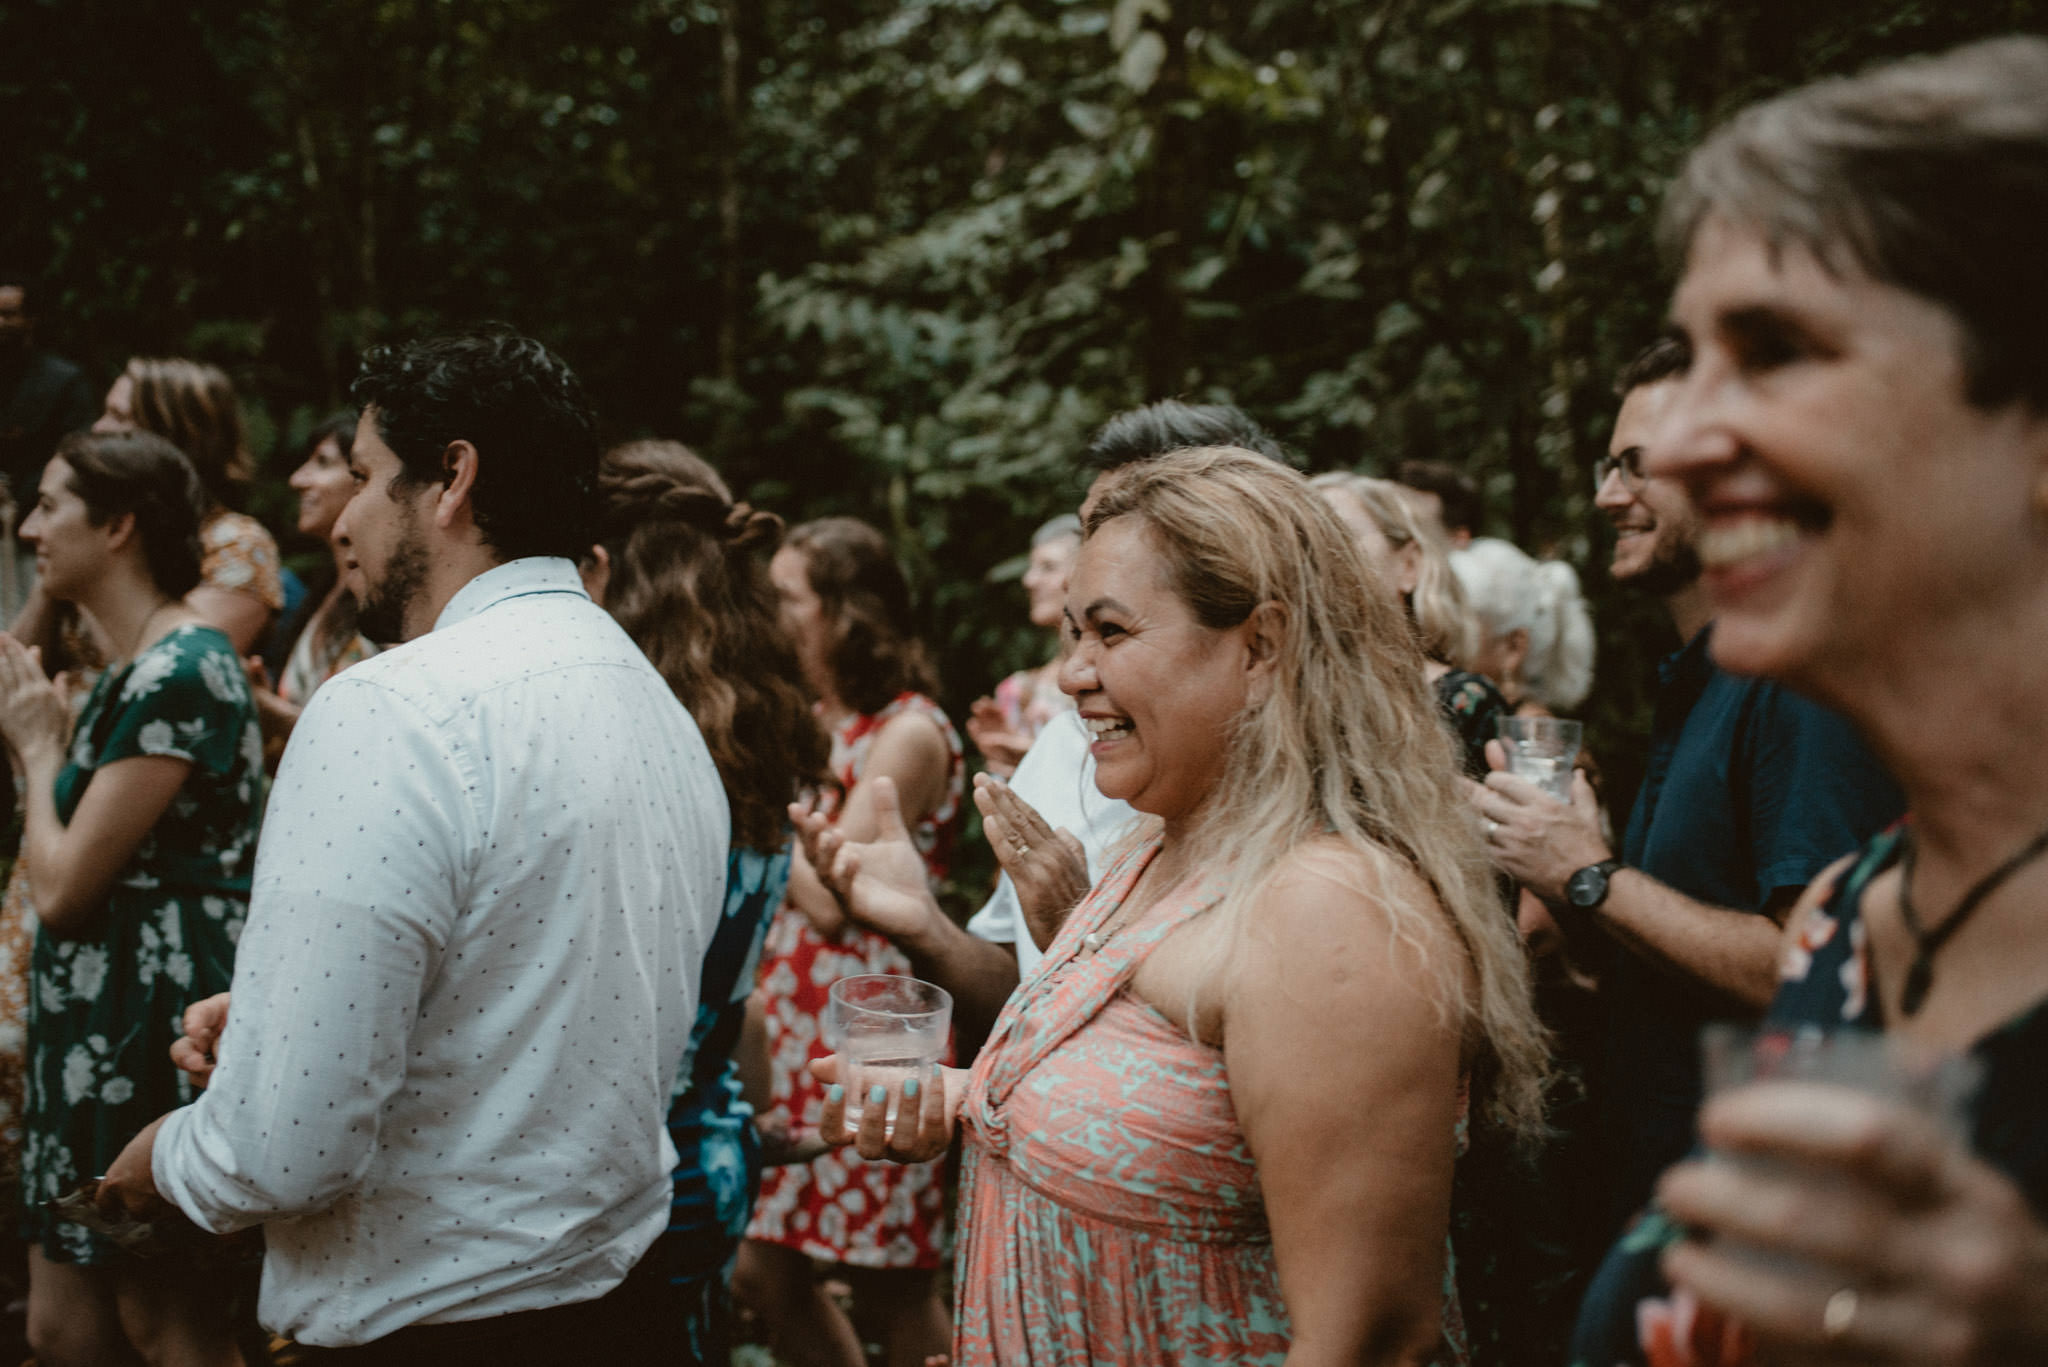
x=490, y=866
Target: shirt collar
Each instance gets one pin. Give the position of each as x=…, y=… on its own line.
x=513, y=579
x=1689, y=661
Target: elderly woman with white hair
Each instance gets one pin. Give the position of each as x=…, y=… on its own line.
x=1536, y=637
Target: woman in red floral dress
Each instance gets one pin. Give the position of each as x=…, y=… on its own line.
x=846, y=603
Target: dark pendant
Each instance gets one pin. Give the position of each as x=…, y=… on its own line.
x=1919, y=978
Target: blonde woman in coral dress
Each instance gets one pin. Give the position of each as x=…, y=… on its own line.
x=1219, y=1123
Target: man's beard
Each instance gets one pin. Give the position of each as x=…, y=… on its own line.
x=1671, y=569
x=381, y=615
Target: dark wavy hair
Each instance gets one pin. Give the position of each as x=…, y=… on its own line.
x=523, y=410
x=143, y=475
x=1154, y=429
x=861, y=590
x=690, y=584
x=193, y=406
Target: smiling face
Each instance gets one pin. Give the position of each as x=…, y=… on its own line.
x=1157, y=688
x=70, y=550
x=381, y=534
x=324, y=487
x=1656, y=530
x=1854, y=506
x=1045, y=579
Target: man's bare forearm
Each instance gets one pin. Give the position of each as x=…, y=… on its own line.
x=1732, y=952
x=979, y=974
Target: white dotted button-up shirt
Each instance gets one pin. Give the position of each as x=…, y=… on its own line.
x=491, y=864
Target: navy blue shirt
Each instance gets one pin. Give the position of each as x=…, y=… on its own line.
x=1751, y=790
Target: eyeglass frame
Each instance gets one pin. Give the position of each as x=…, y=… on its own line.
x=1629, y=465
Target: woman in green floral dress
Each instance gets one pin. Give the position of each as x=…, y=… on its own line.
x=140, y=839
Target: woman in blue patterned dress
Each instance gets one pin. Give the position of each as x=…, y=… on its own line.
x=139, y=838
x=1864, y=428
x=684, y=570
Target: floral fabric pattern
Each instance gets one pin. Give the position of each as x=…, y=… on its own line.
x=1473, y=708
x=840, y=1207
x=1030, y=698
x=237, y=553
x=103, y=1011
x=718, y=1167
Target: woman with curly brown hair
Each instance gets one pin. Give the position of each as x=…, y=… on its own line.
x=846, y=606
x=684, y=570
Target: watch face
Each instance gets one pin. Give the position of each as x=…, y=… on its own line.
x=1587, y=887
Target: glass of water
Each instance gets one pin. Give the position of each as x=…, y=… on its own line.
x=886, y=1028
x=1941, y=1087
x=1543, y=750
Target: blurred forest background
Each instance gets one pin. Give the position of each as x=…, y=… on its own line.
x=897, y=257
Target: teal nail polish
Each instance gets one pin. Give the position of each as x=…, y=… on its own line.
x=877, y=1094
x=835, y=1094
x=909, y=1087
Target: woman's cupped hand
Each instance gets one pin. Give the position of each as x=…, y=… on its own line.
x=930, y=1104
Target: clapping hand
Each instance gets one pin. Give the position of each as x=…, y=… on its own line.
x=1897, y=1245
x=926, y=1111
x=1048, y=868
x=32, y=710
x=990, y=731
x=883, y=882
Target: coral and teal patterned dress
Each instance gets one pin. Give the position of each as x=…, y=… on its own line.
x=103, y=1011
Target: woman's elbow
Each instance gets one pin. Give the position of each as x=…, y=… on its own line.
x=66, y=914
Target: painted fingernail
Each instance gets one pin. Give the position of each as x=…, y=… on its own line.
x=910, y=1086
x=877, y=1094
x=835, y=1094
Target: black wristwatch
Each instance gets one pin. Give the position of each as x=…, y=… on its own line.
x=1587, y=888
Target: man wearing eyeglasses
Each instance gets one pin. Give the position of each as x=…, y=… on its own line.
x=1749, y=794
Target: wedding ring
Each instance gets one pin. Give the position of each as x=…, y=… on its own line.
x=1839, y=1314
x=1491, y=827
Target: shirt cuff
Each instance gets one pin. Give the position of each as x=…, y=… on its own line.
x=178, y=1167
x=999, y=917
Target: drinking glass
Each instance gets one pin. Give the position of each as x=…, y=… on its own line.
x=886, y=1028
x=1941, y=1087
x=1542, y=750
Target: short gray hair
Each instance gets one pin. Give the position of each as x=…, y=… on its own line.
x=1930, y=174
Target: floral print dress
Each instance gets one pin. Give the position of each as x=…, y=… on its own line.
x=841, y=1208
x=718, y=1151
x=104, y=1010
x=1632, y=1317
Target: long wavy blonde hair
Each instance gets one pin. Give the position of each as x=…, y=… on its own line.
x=1347, y=742
x=1438, y=607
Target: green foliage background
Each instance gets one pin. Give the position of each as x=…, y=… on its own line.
x=898, y=257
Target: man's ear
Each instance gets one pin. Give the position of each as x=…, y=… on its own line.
x=596, y=569
x=1265, y=637
x=458, y=480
